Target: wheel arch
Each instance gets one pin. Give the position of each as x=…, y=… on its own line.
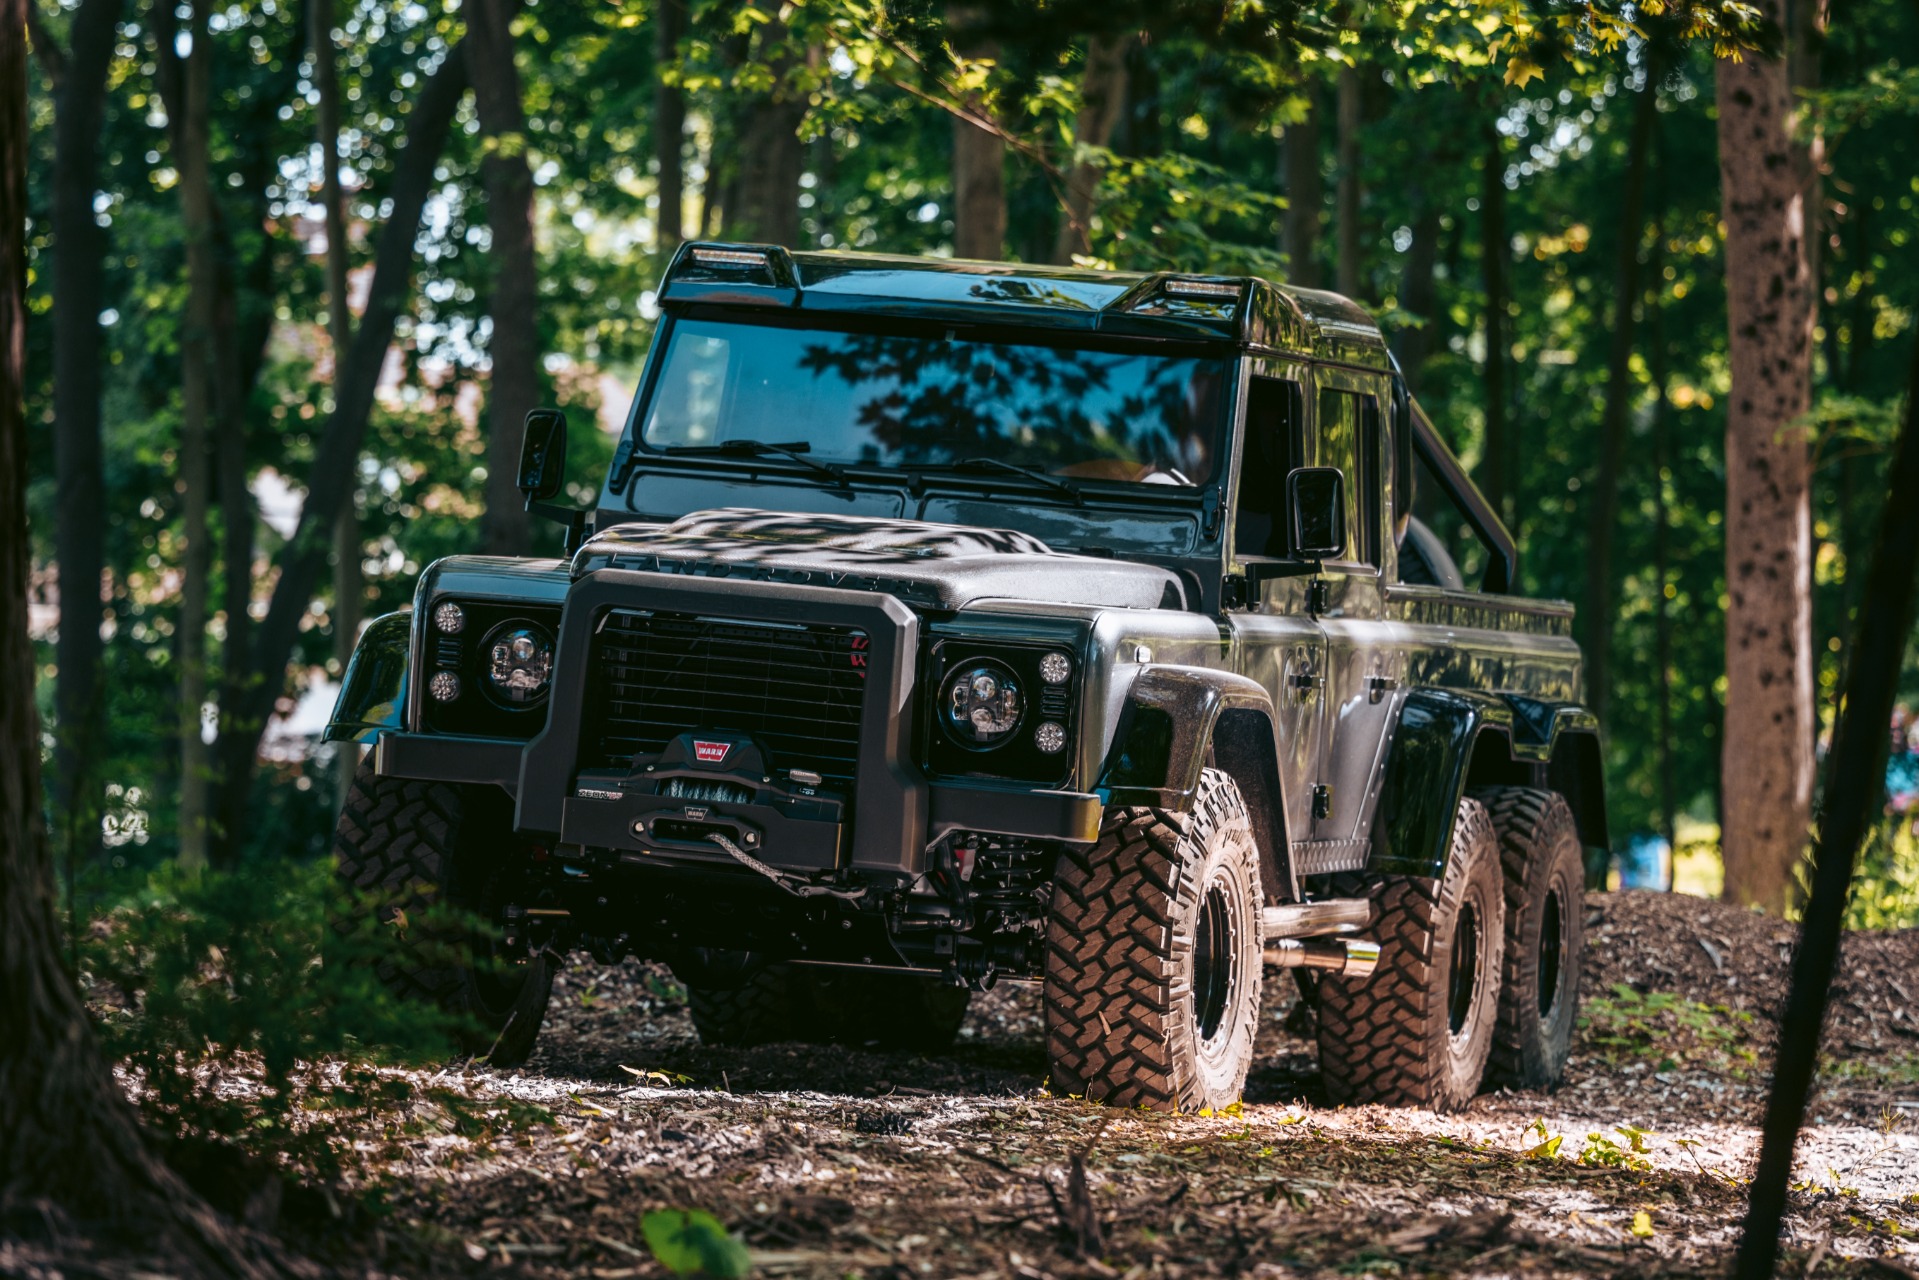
x=1449, y=741
x=1174, y=722
x=374, y=687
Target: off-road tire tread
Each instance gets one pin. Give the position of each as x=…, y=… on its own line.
x=1109, y=949
x=756, y=1011
x=1373, y=1042
x=394, y=841
x=1524, y=819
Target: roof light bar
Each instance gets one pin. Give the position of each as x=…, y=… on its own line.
x=1203, y=288
x=730, y=257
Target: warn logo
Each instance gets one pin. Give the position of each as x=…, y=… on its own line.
x=711, y=752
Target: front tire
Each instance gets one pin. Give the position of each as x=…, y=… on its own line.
x=1153, y=963
x=1418, y=1031
x=1544, y=871
x=415, y=845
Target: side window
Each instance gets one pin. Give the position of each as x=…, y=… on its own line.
x=1274, y=445
x=1440, y=548
x=1349, y=438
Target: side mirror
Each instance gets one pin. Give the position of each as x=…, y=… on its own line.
x=543, y=454
x=1316, y=506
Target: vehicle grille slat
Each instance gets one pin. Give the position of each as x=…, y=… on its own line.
x=796, y=690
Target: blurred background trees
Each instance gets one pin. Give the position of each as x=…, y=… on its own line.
x=297, y=267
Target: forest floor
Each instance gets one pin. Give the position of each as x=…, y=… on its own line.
x=839, y=1162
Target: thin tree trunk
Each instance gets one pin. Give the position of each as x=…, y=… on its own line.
x=1347, y=198
x=1494, y=249
x=669, y=123
x=79, y=283
x=1768, y=750
x=1305, y=196
x=979, y=156
x=513, y=384
x=762, y=202
x=192, y=127
x=337, y=455
x=1855, y=775
x=1419, y=292
x=349, y=585
x=1603, y=512
x=72, y=1144
x=1102, y=96
x=1662, y=540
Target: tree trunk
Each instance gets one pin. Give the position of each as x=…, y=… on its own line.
x=762, y=203
x=1767, y=765
x=1347, y=197
x=1102, y=96
x=349, y=586
x=1603, y=512
x=1662, y=538
x=337, y=454
x=72, y=1143
x=979, y=156
x=1494, y=249
x=1305, y=196
x=79, y=282
x=513, y=384
x=669, y=123
x=1419, y=293
x=192, y=129
x=1855, y=778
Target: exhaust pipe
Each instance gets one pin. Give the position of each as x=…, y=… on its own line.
x=1348, y=957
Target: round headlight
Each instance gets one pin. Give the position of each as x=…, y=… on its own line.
x=1055, y=667
x=982, y=704
x=1050, y=738
x=444, y=686
x=519, y=663
x=450, y=618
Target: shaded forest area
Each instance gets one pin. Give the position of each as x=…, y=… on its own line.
x=294, y=270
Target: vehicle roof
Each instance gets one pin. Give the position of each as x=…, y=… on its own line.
x=1248, y=310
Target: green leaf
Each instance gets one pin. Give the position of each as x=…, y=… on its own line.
x=690, y=1242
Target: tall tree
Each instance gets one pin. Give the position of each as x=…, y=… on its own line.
x=79, y=76
x=72, y=1145
x=1304, y=186
x=1769, y=725
x=762, y=201
x=337, y=455
x=669, y=122
x=1495, y=249
x=1621, y=388
x=979, y=154
x=349, y=585
x=1347, y=196
x=513, y=385
x=1102, y=97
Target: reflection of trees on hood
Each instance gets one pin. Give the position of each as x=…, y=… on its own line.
x=937, y=401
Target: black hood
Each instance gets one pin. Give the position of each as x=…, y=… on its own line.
x=938, y=566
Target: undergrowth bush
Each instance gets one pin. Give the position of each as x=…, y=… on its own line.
x=1885, y=882
x=245, y=1002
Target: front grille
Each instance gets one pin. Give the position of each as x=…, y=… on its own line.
x=797, y=690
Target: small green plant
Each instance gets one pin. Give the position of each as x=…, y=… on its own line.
x=1601, y=1152
x=1548, y=1145
x=1666, y=1030
x=690, y=1242
x=246, y=1002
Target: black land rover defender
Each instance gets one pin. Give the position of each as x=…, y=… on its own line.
x=940, y=622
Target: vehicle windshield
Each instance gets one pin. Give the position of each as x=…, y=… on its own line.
x=902, y=401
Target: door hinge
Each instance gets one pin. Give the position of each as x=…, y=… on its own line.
x=1377, y=687
x=1212, y=513
x=1322, y=800
x=1318, y=597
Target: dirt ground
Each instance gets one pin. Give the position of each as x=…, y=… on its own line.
x=834, y=1162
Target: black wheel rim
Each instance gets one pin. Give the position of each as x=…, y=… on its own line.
x=1465, y=968
x=1551, y=943
x=1213, y=947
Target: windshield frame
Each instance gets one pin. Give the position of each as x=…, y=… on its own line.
x=635, y=451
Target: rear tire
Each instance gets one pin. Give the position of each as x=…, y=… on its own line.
x=1153, y=963
x=414, y=845
x=1419, y=1030
x=1544, y=871
x=755, y=1010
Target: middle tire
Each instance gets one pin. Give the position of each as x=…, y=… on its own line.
x=1153, y=962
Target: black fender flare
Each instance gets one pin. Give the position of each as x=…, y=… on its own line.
x=1448, y=740
x=1172, y=717
x=373, y=690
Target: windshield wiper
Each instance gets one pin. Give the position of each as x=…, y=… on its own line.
x=794, y=451
x=1066, y=487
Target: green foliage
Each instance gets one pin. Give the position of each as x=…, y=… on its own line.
x=692, y=1242
x=1885, y=883
x=1665, y=1031
x=241, y=1001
